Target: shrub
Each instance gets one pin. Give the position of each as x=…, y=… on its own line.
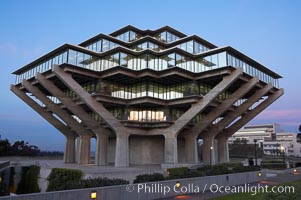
x=61, y=179
x=273, y=164
x=182, y=172
x=179, y=172
x=101, y=182
x=67, y=179
x=94, y=182
x=29, y=180
x=143, y=178
x=241, y=168
x=215, y=170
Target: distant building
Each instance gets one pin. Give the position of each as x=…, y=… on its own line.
x=256, y=132
x=269, y=136
x=286, y=142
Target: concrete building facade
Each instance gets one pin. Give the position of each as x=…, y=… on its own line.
x=146, y=96
x=260, y=133
x=285, y=142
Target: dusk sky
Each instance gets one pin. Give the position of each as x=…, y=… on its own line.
x=268, y=31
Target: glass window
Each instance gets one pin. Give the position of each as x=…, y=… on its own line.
x=123, y=59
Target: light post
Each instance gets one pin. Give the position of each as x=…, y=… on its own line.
x=211, y=148
x=282, y=149
x=255, y=141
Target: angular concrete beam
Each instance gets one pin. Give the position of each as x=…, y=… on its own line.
x=204, y=102
x=71, y=105
x=43, y=112
x=253, y=113
x=72, y=123
x=217, y=128
x=97, y=107
x=224, y=106
x=69, y=155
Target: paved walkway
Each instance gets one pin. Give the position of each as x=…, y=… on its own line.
x=274, y=180
x=90, y=170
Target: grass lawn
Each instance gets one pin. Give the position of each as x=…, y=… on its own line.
x=272, y=196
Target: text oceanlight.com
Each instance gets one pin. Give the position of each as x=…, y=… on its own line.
x=213, y=188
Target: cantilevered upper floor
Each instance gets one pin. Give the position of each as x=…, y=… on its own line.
x=159, y=50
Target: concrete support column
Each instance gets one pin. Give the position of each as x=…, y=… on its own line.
x=122, y=150
x=84, y=149
x=69, y=155
x=208, y=150
x=170, y=150
x=223, y=151
x=101, y=149
x=191, y=151
x=77, y=143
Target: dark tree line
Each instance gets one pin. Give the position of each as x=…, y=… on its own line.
x=22, y=148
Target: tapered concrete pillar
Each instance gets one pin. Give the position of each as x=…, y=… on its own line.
x=122, y=151
x=170, y=150
x=191, y=152
x=84, y=149
x=223, y=151
x=208, y=150
x=69, y=155
x=77, y=143
x=101, y=149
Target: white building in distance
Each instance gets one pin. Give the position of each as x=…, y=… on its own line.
x=269, y=136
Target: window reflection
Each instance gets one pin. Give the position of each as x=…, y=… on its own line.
x=128, y=36
x=144, y=61
x=102, y=45
x=166, y=37
x=193, y=47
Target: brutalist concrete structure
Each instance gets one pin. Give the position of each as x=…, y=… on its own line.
x=146, y=96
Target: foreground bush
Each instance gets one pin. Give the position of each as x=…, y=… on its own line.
x=185, y=172
x=29, y=180
x=67, y=179
x=273, y=164
x=95, y=182
x=143, y=178
x=241, y=168
x=182, y=172
x=214, y=170
x=60, y=179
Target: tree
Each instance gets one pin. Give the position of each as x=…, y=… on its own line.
x=4, y=147
x=300, y=128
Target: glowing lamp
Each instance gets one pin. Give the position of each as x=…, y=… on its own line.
x=93, y=195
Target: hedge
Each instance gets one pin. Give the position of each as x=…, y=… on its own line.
x=273, y=164
x=96, y=182
x=60, y=179
x=185, y=172
x=67, y=179
x=143, y=178
x=29, y=180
